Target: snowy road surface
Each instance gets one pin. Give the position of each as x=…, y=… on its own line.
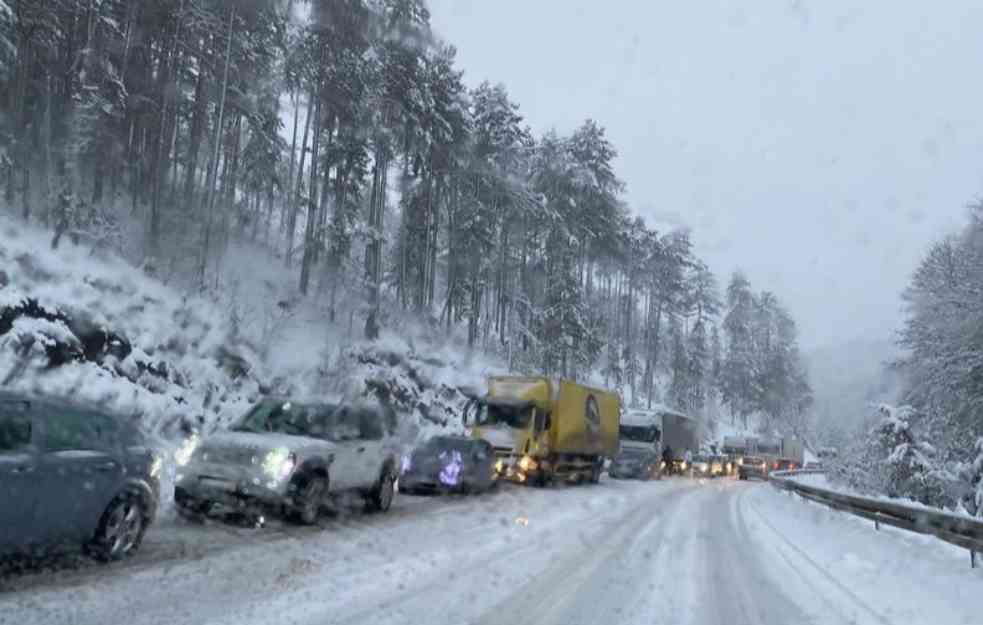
x=675, y=552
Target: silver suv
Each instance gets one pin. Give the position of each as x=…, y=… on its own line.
x=290, y=457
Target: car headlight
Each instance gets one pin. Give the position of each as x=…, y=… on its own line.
x=527, y=463
x=499, y=466
x=701, y=466
x=183, y=455
x=279, y=463
x=405, y=465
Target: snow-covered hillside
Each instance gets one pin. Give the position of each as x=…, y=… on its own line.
x=75, y=321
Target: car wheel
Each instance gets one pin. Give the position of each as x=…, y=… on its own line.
x=121, y=528
x=307, y=503
x=381, y=497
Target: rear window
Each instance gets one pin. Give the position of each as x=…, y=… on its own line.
x=15, y=426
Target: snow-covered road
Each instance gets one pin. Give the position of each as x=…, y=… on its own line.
x=674, y=551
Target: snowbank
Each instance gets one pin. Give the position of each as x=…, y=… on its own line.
x=78, y=323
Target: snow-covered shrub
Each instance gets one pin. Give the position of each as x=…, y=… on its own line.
x=972, y=475
x=891, y=460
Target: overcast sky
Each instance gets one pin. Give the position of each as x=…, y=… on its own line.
x=821, y=146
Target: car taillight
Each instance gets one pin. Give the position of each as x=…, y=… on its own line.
x=775, y=465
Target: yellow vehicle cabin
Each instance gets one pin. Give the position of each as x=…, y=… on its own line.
x=544, y=429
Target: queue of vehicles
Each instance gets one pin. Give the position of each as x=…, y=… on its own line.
x=79, y=476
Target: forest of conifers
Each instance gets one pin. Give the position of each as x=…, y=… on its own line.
x=340, y=138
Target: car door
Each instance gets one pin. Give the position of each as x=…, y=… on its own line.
x=81, y=472
x=18, y=476
x=343, y=431
x=370, y=451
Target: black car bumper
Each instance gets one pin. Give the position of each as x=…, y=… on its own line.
x=251, y=501
x=409, y=483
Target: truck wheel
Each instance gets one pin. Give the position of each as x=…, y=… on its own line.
x=595, y=471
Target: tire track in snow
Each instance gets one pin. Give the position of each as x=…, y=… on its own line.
x=795, y=558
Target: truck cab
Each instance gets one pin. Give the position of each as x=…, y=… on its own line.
x=542, y=428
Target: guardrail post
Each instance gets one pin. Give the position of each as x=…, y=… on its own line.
x=972, y=559
x=877, y=526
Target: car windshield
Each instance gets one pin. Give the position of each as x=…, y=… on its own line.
x=285, y=417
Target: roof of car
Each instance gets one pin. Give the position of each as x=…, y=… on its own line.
x=55, y=401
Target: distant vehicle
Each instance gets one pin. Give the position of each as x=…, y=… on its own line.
x=635, y=464
x=735, y=446
x=544, y=429
x=785, y=464
x=753, y=467
x=707, y=465
x=290, y=457
x=449, y=464
x=639, y=456
x=662, y=429
x=680, y=432
x=775, y=448
x=73, y=476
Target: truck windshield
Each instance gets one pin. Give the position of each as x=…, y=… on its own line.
x=639, y=433
x=512, y=415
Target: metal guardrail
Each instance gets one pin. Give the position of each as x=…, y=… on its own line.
x=957, y=530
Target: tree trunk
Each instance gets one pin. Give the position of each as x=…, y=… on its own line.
x=210, y=191
x=194, y=141
x=312, y=216
x=293, y=150
x=295, y=204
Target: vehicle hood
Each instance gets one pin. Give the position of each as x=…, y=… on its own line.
x=251, y=448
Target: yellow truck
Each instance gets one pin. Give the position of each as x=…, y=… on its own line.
x=545, y=429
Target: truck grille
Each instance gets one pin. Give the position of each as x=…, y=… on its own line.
x=503, y=452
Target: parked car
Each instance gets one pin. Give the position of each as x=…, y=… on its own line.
x=635, y=464
x=753, y=467
x=290, y=457
x=449, y=464
x=71, y=476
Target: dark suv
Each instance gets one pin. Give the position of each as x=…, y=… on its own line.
x=72, y=475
